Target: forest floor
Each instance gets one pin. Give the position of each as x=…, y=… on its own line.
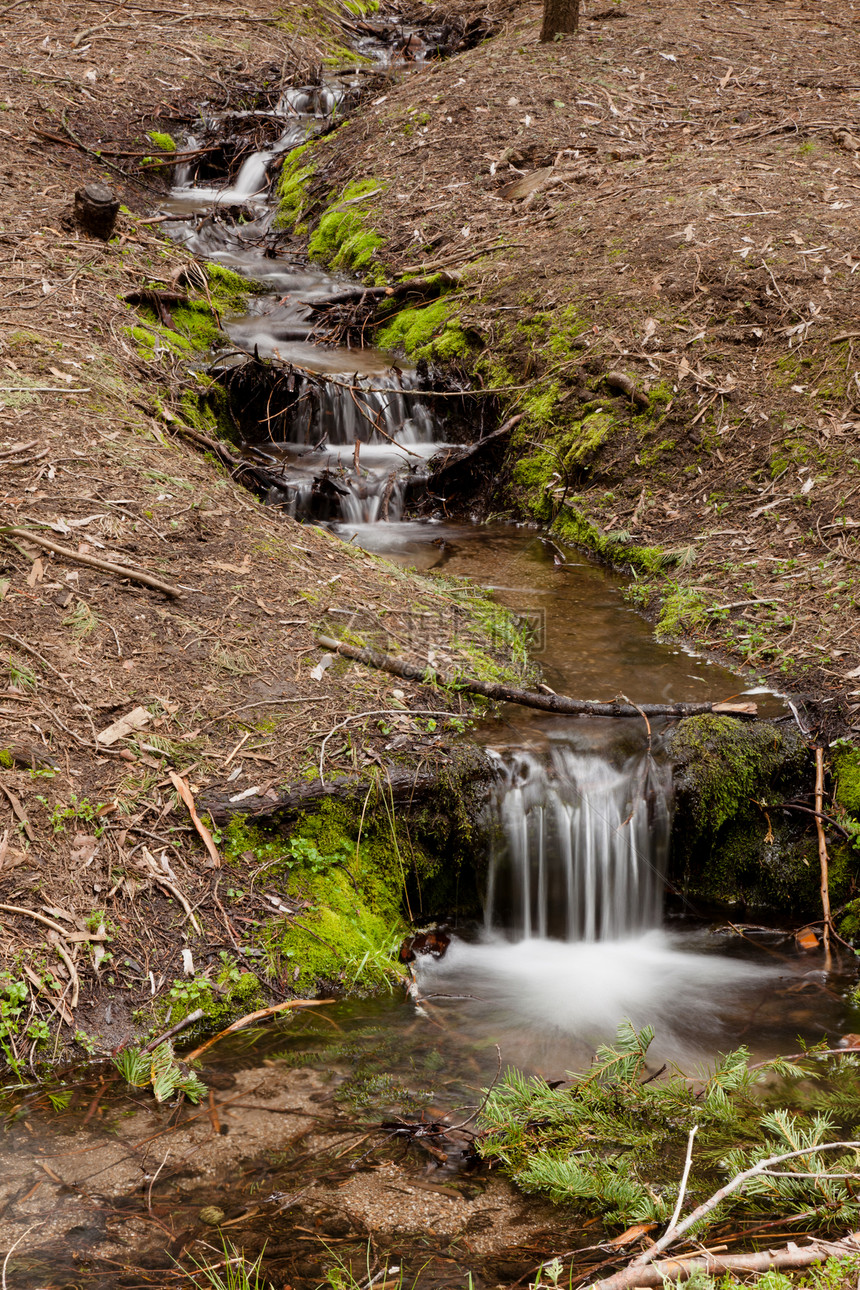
x=687, y=216
x=669, y=197
x=219, y=674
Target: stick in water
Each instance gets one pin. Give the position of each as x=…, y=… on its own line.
x=822, y=853
x=530, y=698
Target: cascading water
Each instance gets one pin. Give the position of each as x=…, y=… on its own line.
x=357, y=439
x=582, y=846
x=572, y=942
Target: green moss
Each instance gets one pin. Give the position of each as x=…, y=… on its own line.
x=587, y=436
x=792, y=451
x=195, y=323
x=6, y=759
x=344, y=237
x=230, y=994
x=164, y=142
x=732, y=762
x=845, y=767
x=353, y=873
x=152, y=340
x=229, y=290
x=207, y=408
x=540, y=405
x=430, y=333
x=731, y=845
x=682, y=610
x=297, y=171
x=849, y=928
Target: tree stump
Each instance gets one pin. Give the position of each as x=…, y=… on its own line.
x=560, y=18
x=96, y=209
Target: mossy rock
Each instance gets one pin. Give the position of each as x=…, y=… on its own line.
x=845, y=769
x=431, y=333
x=728, y=847
x=345, y=237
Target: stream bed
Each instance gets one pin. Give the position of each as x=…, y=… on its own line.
x=103, y=1188
x=299, y=1152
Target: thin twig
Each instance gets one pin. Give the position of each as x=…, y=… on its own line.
x=682, y=1190
x=106, y=566
x=822, y=853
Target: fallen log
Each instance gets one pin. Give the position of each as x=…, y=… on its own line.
x=559, y=703
x=716, y=1265
x=94, y=562
x=402, y=784
x=427, y=288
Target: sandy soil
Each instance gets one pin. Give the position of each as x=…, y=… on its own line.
x=134, y=1191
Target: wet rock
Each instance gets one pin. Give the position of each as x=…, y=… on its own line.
x=433, y=942
x=732, y=840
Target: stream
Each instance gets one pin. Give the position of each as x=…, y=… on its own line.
x=101, y=1185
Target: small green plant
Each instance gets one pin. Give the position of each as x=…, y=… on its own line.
x=81, y=809
x=159, y=1069
x=612, y=1142
x=81, y=621
x=13, y=998
x=303, y=852
x=85, y=1041
x=235, y=1272
x=21, y=676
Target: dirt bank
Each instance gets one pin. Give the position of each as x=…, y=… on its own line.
x=103, y=879
x=651, y=231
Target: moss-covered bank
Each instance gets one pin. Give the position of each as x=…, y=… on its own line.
x=732, y=842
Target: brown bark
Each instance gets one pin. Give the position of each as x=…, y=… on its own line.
x=96, y=209
x=531, y=698
x=560, y=18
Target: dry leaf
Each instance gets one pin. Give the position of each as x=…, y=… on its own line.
x=632, y=1234
x=36, y=574
x=187, y=796
x=526, y=184
x=134, y=720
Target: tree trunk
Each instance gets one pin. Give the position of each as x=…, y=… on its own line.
x=560, y=18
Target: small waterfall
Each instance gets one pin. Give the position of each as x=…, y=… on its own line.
x=581, y=848
x=351, y=447
x=351, y=434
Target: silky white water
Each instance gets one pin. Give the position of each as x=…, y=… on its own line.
x=582, y=847
x=572, y=943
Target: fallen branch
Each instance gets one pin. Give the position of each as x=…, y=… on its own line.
x=455, y=461
x=251, y=1017
x=197, y=1015
x=55, y=927
x=93, y=562
x=715, y=1265
x=73, y=975
x=529, y=698
x=631, y=1275
x=427, y=288
x=822, y=853
x=404, y=784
